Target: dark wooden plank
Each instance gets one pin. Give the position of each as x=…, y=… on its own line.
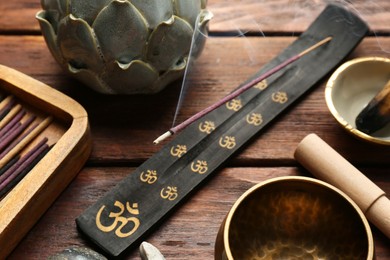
x=270, y=17
x=188, y=234
x=123, y=135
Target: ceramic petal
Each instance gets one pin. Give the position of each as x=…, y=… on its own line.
x=169, y=76
x=188, y=10
x=169, y=44
x=60, y=6
x=134, y=77
x=78, y=44
x=49, y=35
x=122, y=32
x=154, y=11
x=201, y=31
x=91, y=79
x=88, y=9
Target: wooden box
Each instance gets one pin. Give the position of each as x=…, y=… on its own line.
x=69, y=130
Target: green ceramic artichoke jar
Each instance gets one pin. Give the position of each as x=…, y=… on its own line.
x=122, y=46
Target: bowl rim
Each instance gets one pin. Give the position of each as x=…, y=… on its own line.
x=329, y=101
x=229, y=217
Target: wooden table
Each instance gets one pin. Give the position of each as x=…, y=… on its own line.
x=123, y=127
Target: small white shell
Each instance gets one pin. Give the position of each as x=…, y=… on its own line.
x=150, y=252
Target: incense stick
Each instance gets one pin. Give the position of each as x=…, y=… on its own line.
x=23, y=170
x=239, y=91
x=11, y=171
x=6, y=129
x=25, y=141
x=10, y=115
x=4, y=142
x=22, y=166
x=20, y=138
x=9, y=164
x=8, y=101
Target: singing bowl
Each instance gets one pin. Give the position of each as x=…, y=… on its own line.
x=294, y=218
x=350, y=89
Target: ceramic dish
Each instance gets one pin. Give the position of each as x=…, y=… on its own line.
x=351, y=87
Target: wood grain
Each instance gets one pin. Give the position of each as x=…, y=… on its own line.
x=288, y=17
x=188, y=234
x=31, y=197
x=123, y=127
x=215, y=76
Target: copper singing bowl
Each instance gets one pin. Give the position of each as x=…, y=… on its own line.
x=294, y=218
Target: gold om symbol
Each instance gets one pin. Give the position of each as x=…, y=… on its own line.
x=200, y=167
x=118, y=218
x=280, y=97
x=234, y=104
x=150, y=176
x=207, y=127
x=179, y=150
x=228, y=142
x=170, y=193
x=261, y=85
x=254, y=119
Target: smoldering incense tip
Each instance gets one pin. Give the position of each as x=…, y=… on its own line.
x=240, y=90
x=162, y=137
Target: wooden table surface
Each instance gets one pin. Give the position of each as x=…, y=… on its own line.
x=123, y=127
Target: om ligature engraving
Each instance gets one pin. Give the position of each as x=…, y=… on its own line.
x=255, y=119
x=178, y=150
x=199, y=167
x=228, y=142
x=118, y=218
x=234, y=104
x=149, y=177
x=207, y=127
x=169, y=193
x=280, y=97
x=262, y=85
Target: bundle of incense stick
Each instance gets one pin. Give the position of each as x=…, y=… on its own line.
x=19, y=149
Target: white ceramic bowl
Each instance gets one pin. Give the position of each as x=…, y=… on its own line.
x=351, y=87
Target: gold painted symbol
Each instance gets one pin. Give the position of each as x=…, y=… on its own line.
x=228, y=142
x=119, y=219
x=150, y=176
x=254, y=119
x=234, y=104
x=280, y=97
x=170, y=193
x=199, y=167
x=207, y=127
x=261, y=85
x=178, y=150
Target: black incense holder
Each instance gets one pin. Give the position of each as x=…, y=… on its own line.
x=123, y=216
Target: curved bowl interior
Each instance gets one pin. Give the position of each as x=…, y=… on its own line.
x=297, y=219
x=350, y=89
